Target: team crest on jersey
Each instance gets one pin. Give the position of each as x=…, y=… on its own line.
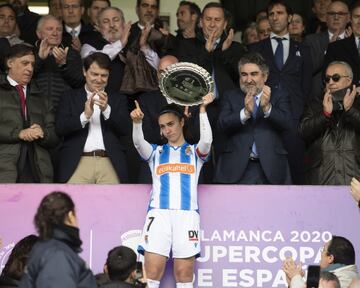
x=188, y=150
x=193, y=235
x=146, y=238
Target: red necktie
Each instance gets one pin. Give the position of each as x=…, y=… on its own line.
x=20, y=90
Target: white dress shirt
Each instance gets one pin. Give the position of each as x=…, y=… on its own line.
x=340, y=36
x=77, y=30
x=285, y=41
x=14, y=83
x=94, y=139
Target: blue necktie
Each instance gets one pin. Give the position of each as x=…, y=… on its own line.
x=253, y=147
x=279, y=53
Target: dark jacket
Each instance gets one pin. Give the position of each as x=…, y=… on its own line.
x=6, y=282
x=265, y=132
x=27, y=23
x=40, y=111
x=114, y=284
x=68, y=125
x=55, y=264
x=294, y=77
x=333, y=144
x=344, y=50
x=54, y=80
x=222, y=64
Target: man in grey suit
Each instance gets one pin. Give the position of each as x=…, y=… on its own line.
x=337, y=18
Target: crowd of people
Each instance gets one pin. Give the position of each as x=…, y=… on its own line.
x=79, y=102
x=68, y=87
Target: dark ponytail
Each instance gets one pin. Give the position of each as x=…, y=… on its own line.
x=52, y=212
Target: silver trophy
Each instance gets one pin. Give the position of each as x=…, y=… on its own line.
x=185, y=83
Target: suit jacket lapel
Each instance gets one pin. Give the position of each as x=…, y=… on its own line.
x=268, y=51
x=81, y=98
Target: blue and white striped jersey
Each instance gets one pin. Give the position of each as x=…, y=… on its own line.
x=175, y=172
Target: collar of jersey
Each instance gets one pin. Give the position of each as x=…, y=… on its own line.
x=176, y=148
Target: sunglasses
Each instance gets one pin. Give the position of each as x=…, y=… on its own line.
x=336, y=77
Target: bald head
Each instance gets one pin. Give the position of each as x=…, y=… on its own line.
x=355, y=283
x=166, y=61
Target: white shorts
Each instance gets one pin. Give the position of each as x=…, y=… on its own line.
x=175, y=230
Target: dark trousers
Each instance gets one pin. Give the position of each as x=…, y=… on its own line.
x=254, y=174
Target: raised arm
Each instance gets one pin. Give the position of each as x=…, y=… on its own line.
x=143, y=147
x=204, y=145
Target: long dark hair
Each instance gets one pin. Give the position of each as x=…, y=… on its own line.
x=14, y=267
x=52, y=212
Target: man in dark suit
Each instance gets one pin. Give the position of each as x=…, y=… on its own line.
x=213, y=49
x=347, y=50
x=290, y=70
x=91, y=122
x=337, y=18
x=75, y=31
x=253, y=118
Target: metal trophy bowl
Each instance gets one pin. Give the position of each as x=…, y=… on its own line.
x=185, y=83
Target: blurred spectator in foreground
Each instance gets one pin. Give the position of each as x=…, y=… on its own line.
x=355, y=190
x=15, y=265
x=54, y=260
x=121, y=267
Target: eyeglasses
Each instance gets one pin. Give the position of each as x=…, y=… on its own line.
x=340, y=14
x=336, y=77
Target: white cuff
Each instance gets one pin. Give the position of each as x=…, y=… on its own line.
x=243, y=117
x=83, y=119
x=106, y=112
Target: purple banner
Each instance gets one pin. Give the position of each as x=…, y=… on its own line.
x=246, y=230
